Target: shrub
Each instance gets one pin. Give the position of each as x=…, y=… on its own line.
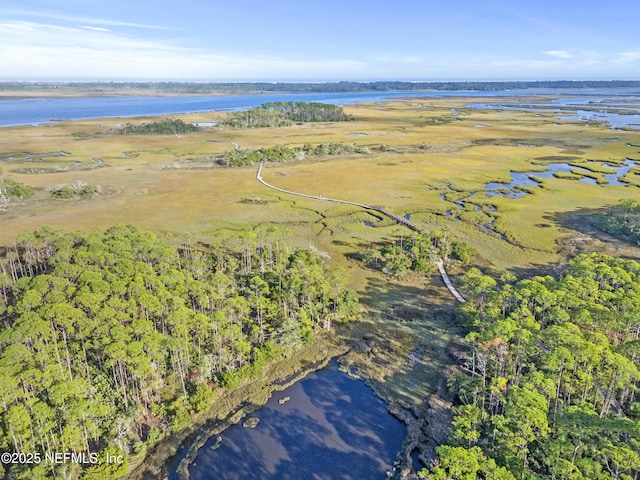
x=14, y=190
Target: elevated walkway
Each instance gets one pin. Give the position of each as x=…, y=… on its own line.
x=394, y=216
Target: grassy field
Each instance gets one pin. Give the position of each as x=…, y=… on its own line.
x=429, y=158
x=423, y=157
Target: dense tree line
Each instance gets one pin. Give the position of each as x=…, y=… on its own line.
x=308, y=112
x=169, y=126
x=203, y=88
x=282, y=153
x=417, y=252
x=110, y=339
x=622, y=222
x=284, y=114
x=551, y=383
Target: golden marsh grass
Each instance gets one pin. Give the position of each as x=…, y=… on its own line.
x=424, y=157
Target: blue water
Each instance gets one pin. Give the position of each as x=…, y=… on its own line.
x=333, y=427
x=523, y=179
x=42, y=110
x=605, y=106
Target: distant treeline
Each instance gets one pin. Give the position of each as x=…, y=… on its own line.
x=283, y=114
x=206, y=88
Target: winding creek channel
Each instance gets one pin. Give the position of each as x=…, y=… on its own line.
x=525, y=183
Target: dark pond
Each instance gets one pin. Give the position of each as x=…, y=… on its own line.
x=331, y=427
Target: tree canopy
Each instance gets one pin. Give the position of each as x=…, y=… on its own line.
x=622, y=221
x=551, y=383
x=416, y=252
x=169, y=126
x=283, y=114
x=282, y=153
x=109, y=340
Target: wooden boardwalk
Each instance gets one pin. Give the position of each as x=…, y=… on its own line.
x=315, y=197
x=394, y=216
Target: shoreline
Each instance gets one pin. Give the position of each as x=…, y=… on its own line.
x=426, y=426
x=233, y=405
x=201, y=437
x=217, y=102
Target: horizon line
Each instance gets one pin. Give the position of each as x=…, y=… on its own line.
x=276, y=82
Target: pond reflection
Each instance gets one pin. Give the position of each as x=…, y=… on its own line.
x=331, y=427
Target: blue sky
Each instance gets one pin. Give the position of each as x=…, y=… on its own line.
x=319, y=40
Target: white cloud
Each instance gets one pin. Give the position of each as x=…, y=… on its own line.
x=627, y=57
x=558, y=53
x=531, y=65
x=95, y=29
x=44, y=51
x=77, y=19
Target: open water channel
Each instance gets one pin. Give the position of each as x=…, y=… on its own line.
x=527, y=179
x=617, y=108
x=326, y=426
x=24, y=111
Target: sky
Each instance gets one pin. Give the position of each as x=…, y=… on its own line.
x=319, y=40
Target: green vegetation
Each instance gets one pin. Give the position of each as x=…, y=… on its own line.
x=281, y=153
x=405, y=343
x=10, y=190
x=465, y=464
x=568, y=175
x=108, y=340
x=417, y=252
x=552, y=380
x=168, y=126
x=622, y=222
x=284, y=114
x=76, y=190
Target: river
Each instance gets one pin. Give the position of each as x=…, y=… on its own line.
x=27, y=111
x=326, y=426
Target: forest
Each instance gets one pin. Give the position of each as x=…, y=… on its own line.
x=550, y=388
x=284, y=114
x=111, y=339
